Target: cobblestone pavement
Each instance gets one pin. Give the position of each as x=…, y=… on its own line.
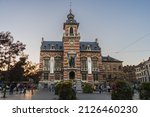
x=44, y=94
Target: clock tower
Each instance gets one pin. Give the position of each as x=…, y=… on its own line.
x=71, y=44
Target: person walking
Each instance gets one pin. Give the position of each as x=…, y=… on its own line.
x=100, y=89
x=24, y=90
x=108, y=88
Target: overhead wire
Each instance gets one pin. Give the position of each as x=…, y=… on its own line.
x=141, y=38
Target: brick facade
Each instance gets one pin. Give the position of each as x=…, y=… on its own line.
x=62, y=60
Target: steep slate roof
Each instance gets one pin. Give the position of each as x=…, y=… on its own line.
x=93, y=46
x=47, y=45
x=58, y=45
x=109, y=59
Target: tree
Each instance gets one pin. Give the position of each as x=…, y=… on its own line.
x=17, y=71
x=129, y=71
x=31, y=71
x=9, y=50
x=121, y=90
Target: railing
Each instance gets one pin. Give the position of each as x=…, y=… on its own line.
x=95, y=69
x=71, y=35
x=57, y=69
x=46, y=69
x=84, y=69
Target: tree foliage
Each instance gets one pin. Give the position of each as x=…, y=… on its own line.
x=9, y=50
x=145, y=91
x=66, y=91
x=121, y=90
x=87, y=88
x=129, y=71
x=17, y=71
x=31, y=71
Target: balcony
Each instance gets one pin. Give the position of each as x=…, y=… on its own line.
x=58, y=69
x=95, y=69
x=84, y=69
x=46, y=69
x=71, y=35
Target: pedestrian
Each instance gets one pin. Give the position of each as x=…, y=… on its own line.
x=100, y=89
x=94, y=87
x=32, y=88
x=24, y=90
x=17, y=89
x=11, y=89
x=50, y=87
x=21, y=88
x=74, y=87
x=108, y=88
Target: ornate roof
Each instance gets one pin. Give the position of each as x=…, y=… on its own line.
x=71, y=20
x=58, y=46
x=52, y=45
x=91, y=46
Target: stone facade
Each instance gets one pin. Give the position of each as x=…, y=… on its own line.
x=112, y=68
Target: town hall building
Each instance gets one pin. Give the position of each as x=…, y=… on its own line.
x=71, y=59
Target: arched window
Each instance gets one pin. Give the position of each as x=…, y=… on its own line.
x=71, y=31
x=88, y=47
x=52, y=47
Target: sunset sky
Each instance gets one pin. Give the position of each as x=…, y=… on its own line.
x=121, y=26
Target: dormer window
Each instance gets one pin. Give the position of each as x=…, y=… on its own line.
x=48, y=46
x=45, y=47
x=56, y=46
x=52, y=47
x=88, y=47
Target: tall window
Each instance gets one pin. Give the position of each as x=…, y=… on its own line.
x=94, y=63
x=95, y=76
x=57, y=76
x=120, y=67
x=45, y=76
x=71, y=31
x=84, y=63
x=46, y=64
x=84, y=76
x=58, y=64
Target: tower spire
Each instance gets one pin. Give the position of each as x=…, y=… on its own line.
x=70, y=6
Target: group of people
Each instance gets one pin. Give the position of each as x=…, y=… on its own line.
x=51, y=87
x=102, y=88
x=19, y=88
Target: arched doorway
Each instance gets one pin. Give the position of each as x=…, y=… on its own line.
x=72, y=75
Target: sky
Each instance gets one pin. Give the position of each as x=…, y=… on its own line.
x=121, y=26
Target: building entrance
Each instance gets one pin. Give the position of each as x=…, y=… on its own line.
x=72, y=75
